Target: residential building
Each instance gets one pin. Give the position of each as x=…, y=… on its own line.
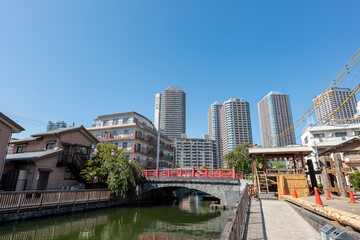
x=323, y=137
x=196, y=152
x=55, y=126
x=7, y=127
x=276, y=120
x=235, y=124
x=136, y=135
x=173, y=112
x=326, y=103
x=48, y=161
x=214, y=126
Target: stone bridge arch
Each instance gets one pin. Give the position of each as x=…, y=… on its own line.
x=227, y=190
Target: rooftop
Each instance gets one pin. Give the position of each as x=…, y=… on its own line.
x=332, y=127
x=27, y=156
x=16, y=128
x=174, y=89
x=291, y=149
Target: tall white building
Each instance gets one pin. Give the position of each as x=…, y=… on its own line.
x=275, y=119
x=235, y=124
x=196, y=152
x=327, y=103
x=214, y=126
x=173, y=112
x=136, y=135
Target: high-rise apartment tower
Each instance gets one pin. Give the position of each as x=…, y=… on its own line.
x=173, y=112
x=327, y=103
x=235, y=124
x=214, y=126
x=276, y=119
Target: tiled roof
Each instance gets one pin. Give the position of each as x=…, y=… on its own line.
x=31, y=155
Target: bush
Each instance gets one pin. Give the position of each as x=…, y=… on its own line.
x=354, y=178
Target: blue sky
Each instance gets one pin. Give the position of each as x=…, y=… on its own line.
x=75, y=60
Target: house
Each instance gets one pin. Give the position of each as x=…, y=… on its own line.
x=48, y=161
x=7, y=127
x=337, y=163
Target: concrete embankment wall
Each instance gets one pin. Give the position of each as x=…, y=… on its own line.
x=25, y=214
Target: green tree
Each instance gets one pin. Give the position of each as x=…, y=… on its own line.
x=111, y=165
x=354, y=178
x=203, y=167
x=239, y=158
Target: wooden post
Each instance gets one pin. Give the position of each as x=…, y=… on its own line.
x=324, y=175
x=41, y=200
x=87, y=202
x=169, y=172
x=340, y=175
x=233, y=173
x=19, y=203
x=75, y=199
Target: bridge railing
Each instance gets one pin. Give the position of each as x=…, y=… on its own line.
x=38, y=199
x=234, y=228
x=203, y=173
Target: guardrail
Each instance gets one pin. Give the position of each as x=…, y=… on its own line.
x=203, y=173
x=17, y=201
x=234, y=228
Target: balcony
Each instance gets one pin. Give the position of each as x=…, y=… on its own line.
x=110, y=137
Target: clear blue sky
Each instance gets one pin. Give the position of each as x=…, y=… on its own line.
x=75, y=60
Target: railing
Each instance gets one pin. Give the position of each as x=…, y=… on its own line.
x=283, y=171
x=234, y=228
x=204, y=173
x=18, y=201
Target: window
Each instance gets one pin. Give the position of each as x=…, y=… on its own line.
x=306, y=140
x=69, y=176
x=340, y=134
x=50, y=146
x=319, y=135
x=21, y=149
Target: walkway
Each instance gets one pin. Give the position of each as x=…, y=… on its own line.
x=276, y=220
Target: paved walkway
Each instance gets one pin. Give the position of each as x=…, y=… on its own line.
x=276, y=220
x=343, y=205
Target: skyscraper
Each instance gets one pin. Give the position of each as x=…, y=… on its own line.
x=276, y=118
x=330, y=101
x=173, y=112
x=235, y=124
x=55, y=126
x=214, y=126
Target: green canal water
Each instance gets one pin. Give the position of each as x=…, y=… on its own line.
x=190, y=219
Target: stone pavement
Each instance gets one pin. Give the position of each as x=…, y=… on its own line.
x=276, y=220
x=340, y=204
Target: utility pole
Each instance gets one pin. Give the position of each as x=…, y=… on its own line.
x=157, y=120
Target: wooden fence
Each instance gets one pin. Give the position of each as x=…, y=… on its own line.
x=234, y=228
x=17, y=201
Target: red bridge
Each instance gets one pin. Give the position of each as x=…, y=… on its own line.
x=201, y=173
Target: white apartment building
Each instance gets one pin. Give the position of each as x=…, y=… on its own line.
x=136, y=135
x=196, y=152
x=320, y=138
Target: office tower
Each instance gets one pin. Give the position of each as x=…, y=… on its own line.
x=196, y=152
x=275, y=119
x=325, y=104
x=136, y=135
x=173, y=112
x=214, y=126
x=55, y=126
x=235, y=124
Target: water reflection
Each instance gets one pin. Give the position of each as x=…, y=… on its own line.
x=191, y=218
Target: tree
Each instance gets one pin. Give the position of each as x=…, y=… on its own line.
x=203, y=167
x=239, y=158
x=111, y=166
x=354, y=178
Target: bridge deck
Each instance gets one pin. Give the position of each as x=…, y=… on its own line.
x=272, y=219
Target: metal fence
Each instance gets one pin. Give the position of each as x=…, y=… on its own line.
x=17, y=201
x=234, y=228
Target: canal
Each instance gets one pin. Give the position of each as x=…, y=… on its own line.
x=191, y=218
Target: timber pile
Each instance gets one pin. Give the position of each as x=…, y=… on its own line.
x=289, y=181
x=345, y=218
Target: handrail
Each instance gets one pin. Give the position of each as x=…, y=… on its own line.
x=234, y=228
x=39, y=199
x=203, y=173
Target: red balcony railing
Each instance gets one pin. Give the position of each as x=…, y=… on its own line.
x=201, y=173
